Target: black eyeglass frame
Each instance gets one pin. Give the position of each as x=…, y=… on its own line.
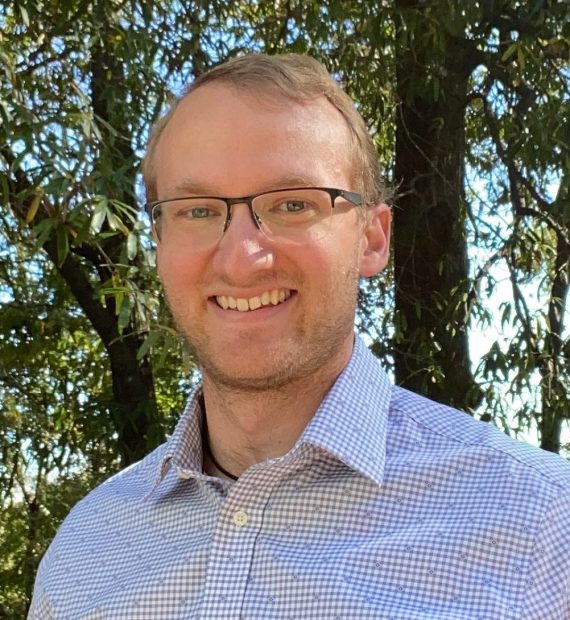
x=334, y=193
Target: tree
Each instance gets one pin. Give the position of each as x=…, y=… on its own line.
x=468, y=105
x=519, y=109
x=434, y=62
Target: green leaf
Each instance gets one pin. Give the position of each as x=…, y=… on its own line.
x=520, y=57
x=124, y=314
x=153, y=337
x=31, y=214
x=43, y=230
x=115, y=223
x=99, y=215
x=510, y=51
x=132, y=244
x=62, y=244
x=24, y=15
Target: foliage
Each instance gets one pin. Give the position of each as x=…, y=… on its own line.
x=518, y=130
x=481, y=90
x=468, y=105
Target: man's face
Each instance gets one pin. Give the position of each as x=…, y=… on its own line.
x=221, y=142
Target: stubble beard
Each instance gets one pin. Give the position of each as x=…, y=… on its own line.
x=307, y=351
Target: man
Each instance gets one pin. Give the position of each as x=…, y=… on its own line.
x=299, y=483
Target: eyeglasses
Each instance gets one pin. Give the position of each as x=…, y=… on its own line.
x=297, y=214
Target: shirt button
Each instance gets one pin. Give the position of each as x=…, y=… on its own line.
x=240, y=518
x=183, y=473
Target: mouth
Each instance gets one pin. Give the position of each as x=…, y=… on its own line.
x=273, y=297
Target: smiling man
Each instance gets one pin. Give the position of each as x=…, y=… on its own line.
x=299, y=483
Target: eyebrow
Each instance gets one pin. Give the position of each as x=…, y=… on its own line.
x=190, y=187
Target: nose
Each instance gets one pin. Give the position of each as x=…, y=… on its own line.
x=232, y=202
x=243, y=250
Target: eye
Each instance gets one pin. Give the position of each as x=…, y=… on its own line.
x=200, y=213
x=192, y=210
x=292, y=206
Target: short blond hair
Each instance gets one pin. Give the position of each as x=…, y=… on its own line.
x=297, y=78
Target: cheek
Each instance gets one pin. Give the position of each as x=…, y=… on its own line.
x=177, y=270
x=325, y=267
x=340, y=254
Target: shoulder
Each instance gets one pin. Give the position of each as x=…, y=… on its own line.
x=113, y=502
x=504, y=501
x=131, y=484
x=117, y=494
x=446, y=428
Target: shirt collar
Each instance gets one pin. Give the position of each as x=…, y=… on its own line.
x=183, y=448
x=350, y=423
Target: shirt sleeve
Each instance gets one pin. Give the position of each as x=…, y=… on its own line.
x=548, y=582
x=41, y=607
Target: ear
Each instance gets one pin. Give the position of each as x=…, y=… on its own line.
x=375, y=242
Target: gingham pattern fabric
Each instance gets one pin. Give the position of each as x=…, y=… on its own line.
x=389, y=506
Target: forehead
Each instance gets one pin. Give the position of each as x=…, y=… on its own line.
x=223, y=137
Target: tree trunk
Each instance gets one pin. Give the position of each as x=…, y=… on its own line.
x=554, y=359
x=431, y=267
x=134, y=410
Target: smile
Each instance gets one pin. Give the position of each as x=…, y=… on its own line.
x=268, y=298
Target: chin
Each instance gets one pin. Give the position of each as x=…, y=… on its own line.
x=249, y=379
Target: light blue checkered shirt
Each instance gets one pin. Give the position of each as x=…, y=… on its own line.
x=389, y=506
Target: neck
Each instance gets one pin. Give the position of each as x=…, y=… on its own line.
x=247, y=427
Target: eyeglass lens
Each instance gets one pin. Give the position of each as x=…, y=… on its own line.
x=296, y=215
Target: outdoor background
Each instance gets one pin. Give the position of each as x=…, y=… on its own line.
x=468, y=103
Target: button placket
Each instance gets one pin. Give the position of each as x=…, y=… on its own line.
x=232, y=551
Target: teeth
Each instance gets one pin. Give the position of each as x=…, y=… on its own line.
x=274, y=297
x=254, y=303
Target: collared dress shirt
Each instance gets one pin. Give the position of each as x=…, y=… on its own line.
x=388, y=506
